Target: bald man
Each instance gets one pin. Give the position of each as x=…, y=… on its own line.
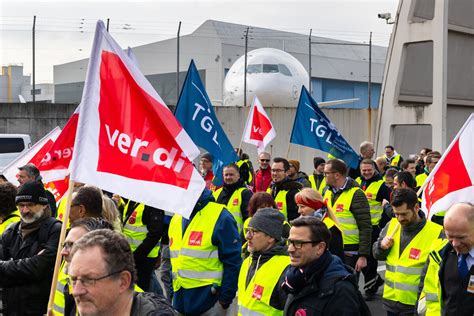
x=448, y=287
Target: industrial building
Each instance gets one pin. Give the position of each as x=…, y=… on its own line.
x=337, y=72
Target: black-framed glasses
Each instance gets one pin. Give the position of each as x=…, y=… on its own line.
x=68, y=245
x=278, y=170
x=251, y=232
x=326, y=173
x=264, y=160
x=298, y=244
x=88, y=282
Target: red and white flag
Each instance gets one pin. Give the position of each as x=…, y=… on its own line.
x=452, y=180
x=259, y=130
x=128, y=142
x=34, y=155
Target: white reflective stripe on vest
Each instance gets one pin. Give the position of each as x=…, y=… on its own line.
x=58, y=309
x=134, y=241
x=402, y=286
x=200, y=274
x=60, y=287
x=174, y=254
x=402, y=269
x=136, y=229
x=247, y=312
x=346, y=220
x=351, y=232
x=432, y=297
x=200, y=253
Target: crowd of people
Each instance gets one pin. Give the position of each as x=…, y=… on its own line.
x=271, y=241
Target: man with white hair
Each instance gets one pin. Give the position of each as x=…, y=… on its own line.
x=367, y=151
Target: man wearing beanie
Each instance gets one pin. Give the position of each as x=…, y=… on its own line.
x=317, y=179
x=28, y=253
x=295, y=174
x=262, y=273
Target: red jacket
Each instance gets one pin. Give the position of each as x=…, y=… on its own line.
x=263, y=178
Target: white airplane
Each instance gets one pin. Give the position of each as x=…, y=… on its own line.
x=273, y=75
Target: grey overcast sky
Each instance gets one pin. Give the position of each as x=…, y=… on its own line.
x=64, y=29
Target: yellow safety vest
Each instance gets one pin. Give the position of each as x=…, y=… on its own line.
x=420, y=179
x=13, y=218
x=240, y=163
x=135, y=230
x=62, y=208
x=403, y=273
x=330, y=224
x=194, y=259
x=280, y=201
x=322, y=185
x=233, y=205
x=254, y=299
x=59, y=299
x=341, y=208
x=431, y=291
x=371, y=192
x=395, y=160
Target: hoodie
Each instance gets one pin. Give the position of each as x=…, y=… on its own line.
x=226, y=237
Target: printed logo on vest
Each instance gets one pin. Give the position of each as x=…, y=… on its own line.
x=170, y=242
x=133, y=218
x=369, y=195
x=235, y=202
x=339, y=208
x=195, y=238
x=279, y=205
x=300, y=312
x=257, y=292
x=415, y=253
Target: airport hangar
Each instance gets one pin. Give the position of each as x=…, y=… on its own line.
x=337, y=72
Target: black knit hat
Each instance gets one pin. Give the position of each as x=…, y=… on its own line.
x=317, y=161
x=208, y=156
x=32, y=192
x=269, y=221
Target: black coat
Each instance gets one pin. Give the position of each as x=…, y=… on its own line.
x=334, y=293
x=26, y=269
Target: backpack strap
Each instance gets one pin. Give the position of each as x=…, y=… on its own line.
x=45, y=230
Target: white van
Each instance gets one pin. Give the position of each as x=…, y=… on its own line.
x=11, y=145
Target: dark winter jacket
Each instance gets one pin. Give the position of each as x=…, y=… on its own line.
x=278, y=298
x=361, y=211
x=333, y=291
x=302, y=178
x=229, y=189
x=150, y=304
x=292, y=187
x=27, y=266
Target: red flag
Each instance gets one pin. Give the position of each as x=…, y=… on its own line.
x=34, y=155
x=259, y=130
x=55, y=164
x=128, y=142
x=452, y=179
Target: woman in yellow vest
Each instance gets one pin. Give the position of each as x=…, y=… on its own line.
x=8, y=211
x=257, y=201
x=310, y=203
x=263, y=272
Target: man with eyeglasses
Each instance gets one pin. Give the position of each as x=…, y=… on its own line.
x=102, y=277
x=317, y=282
x=263, y=272
x=283, y=189
x=263, y=176
x=63, y=301
x=28, y=253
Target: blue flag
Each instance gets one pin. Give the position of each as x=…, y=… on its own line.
x=313, y=129
x=195, y=113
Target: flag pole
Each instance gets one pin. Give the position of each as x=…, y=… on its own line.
x=288, y=151
x=62, y=236
x=246, y=123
